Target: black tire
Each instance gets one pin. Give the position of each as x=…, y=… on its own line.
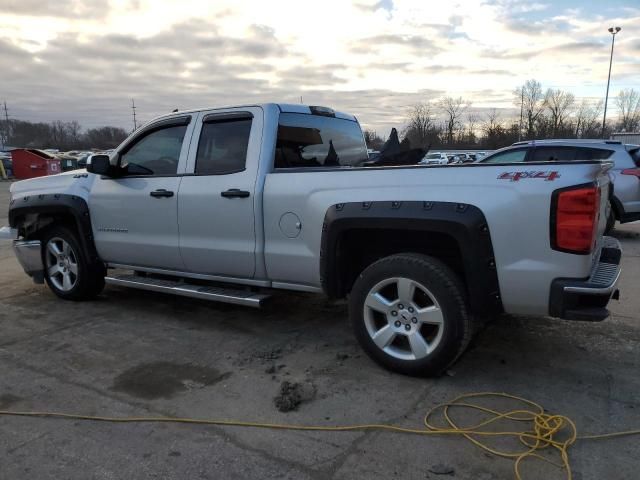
x=88, y=282
x=447, y=294
x=611, y=221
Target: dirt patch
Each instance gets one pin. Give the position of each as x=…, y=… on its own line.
x=260, y=357
x=7, y=399
x=292, y=394
x=165, y=379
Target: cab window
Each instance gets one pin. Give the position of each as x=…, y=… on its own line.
x=155, y=154
x=509, y=156
x=311, y=141
x=222, y=148
x=553, y=154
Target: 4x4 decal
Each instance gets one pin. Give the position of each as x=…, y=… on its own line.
x=548, y=176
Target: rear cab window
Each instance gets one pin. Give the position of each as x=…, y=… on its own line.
x=516, y=155
x=313, y=141
x=565, y=154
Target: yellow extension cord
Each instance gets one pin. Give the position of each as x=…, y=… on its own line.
x=556, y=431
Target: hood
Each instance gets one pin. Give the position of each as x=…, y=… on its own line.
x=73, y=182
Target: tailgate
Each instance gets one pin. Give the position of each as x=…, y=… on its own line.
x=604, y=181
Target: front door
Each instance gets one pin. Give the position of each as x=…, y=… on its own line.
x=216, y=203
x=135, y=216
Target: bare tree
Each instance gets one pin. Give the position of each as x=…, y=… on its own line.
x=492, y=122
x=559, y=103
x=472, y=123
x=470, y=135
x=587, y=119
x=628, y=102
x=453, y=108
x=531, y=98
x=373, y=140
x=74, y=130
x=492, y=128
x=421, y=128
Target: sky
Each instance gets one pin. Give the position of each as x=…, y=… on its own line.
x=85, y=60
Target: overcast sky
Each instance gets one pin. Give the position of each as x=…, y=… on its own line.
x=85, y=60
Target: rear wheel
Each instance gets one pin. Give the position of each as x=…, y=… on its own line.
x=409, y=314
x=67, y=270
x=611, y=220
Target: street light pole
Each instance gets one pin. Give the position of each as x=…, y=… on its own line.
x=613, y=31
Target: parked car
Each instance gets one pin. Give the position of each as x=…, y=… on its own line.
x=274, y=197
x=625, y=202
x=435, y=158
x=82, y=159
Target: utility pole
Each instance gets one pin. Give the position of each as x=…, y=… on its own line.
x=612, y=31
x=521, y=108
x=5, y=134
x=133, y=109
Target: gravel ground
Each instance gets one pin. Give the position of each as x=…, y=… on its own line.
x=138, y=353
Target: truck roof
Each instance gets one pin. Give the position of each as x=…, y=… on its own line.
x=283, y=107
x=569, y=140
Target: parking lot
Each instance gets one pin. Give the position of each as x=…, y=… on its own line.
x=134, y=353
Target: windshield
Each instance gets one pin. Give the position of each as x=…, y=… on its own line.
x=433, y=155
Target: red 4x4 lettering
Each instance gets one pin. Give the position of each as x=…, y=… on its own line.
x=516, y=176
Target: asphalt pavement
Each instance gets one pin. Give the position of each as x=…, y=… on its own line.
x=134, y=353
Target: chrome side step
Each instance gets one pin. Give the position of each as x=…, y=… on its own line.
x=177, y=287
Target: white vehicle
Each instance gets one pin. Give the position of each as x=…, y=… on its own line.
x=278, y=197
x=435, y=158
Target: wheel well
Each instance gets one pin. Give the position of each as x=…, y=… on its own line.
x=616, y=206
x=359, y=248
x=33, y=225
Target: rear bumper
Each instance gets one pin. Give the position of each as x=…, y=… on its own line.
x=573, y=299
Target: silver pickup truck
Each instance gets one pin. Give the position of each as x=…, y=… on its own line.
x=232, y=204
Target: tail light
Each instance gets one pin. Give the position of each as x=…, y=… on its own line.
x=631, y=171
x=574, y=219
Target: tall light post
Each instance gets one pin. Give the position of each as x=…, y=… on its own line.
x=613, y=31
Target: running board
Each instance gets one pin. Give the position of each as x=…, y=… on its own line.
x=177, y=287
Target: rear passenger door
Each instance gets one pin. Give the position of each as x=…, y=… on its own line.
x=217, y=200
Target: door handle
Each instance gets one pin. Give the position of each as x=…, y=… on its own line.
x=161, y=193
x=235, y=193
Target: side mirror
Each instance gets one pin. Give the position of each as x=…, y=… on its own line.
x=99, y=164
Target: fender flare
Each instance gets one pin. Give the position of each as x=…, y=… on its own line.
x=465, y=223
x=57, y=204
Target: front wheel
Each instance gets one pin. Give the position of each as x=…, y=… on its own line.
x=67, y=270
x=409, y=314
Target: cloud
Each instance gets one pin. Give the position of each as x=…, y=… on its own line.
x=416, y=44
x=85, y=60
x=58, y=8
x=526, y=26
x=374, y=5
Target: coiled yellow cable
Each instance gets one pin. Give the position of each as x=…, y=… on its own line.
x=544, y=430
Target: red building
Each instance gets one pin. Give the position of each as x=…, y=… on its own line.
x=29, y=163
